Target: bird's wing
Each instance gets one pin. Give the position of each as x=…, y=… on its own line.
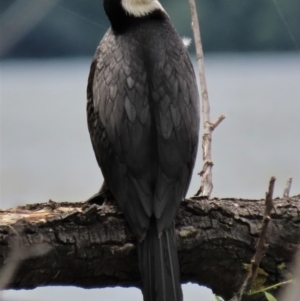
x=119, y=124
x=176, y=113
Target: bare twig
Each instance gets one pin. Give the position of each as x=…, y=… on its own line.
x=206, y=173
x=261, y=245
x=287, y=188
x=217, y=122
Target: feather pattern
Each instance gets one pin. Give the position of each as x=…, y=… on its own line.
x=159, y=266
x=143, y=119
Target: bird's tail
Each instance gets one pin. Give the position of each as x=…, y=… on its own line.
x=159, y=266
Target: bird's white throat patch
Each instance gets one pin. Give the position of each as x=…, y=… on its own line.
x=140, y=8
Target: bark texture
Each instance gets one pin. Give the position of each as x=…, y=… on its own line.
x=92, y=246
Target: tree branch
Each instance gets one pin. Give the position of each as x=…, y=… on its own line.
x=206, y=172
x=261, y=245
x=286, y=192
x=92, y=246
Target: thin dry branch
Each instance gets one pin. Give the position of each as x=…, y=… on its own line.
x=206, y=172
x=261, y=246
x=287, y=188
x=217, y=122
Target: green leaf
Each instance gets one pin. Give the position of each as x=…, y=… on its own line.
x=270, y=297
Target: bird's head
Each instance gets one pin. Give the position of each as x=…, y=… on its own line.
x=140, y=8
x=132, y=8
x=121, y=13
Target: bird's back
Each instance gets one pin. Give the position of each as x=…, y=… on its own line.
x=145, y=105
x=143, y=118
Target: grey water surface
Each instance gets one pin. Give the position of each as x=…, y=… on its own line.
x=46, y=152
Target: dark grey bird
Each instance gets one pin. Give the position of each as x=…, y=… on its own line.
x=143, y=119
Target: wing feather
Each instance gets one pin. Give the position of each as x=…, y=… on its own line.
x=120, y=127
x=176, y=113
x=143, y=116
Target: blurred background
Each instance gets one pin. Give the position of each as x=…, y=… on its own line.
x=64, y=28
x=252, y=60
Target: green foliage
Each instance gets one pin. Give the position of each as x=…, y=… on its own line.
x=260, y=279
x=270, y=297
x=265, y=290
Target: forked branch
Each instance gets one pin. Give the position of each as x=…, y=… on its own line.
x=206, y=172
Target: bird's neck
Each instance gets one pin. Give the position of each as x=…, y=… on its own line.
x=122, y=14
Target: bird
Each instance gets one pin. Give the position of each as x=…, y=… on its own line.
x=143, y=120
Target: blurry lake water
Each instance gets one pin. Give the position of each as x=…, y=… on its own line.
x=46, y=151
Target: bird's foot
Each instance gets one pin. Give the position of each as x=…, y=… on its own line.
x=102, y=198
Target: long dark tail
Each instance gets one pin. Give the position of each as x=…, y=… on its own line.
x=159, y=266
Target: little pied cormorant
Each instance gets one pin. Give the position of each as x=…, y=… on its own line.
x=143, y=119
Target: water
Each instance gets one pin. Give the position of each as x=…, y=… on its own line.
x=46, y=152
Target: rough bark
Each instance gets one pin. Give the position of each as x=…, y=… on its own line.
x=92, y=246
